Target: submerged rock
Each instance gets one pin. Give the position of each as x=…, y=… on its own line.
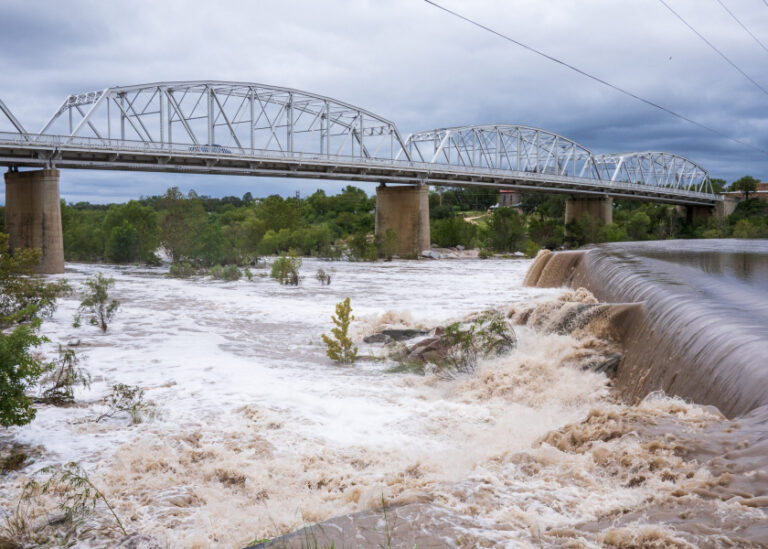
x=385, y=336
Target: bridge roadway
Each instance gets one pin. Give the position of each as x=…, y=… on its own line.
x=241, y=128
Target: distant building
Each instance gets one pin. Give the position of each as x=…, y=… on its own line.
x=509, y=198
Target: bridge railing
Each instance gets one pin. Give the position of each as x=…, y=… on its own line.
x=427, y=172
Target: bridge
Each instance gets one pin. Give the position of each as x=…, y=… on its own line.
x=241, y=128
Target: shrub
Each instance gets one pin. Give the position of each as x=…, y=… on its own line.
x=285, y=269
x=61, y=378
x=230, y=273
x=181, y=269
x=340, y=347
x=216, y=271
x=31, y=523
x=531, y=249
x=129, y=400
x=96, y=302
x=323, y=277
x=485, y=253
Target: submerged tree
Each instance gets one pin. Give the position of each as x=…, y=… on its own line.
x=340, y=347
x=96, y=302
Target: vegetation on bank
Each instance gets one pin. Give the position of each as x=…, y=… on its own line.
x=200, y=232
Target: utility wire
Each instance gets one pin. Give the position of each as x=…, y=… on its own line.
x=597, y=79
x=755, y=38
x=721, y=54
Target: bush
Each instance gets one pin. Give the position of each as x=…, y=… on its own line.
x=531, y=249
x=285, y=269
x=181, y=269
x=61, y=378
x=340, y=347
x=127, y=399
x=96, y=302
x=323, y=277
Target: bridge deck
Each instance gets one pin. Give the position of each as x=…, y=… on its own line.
x=92, y=153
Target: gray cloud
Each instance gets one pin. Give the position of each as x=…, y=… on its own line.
x=411, y=63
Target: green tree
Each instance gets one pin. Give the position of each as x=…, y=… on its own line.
x=638, y=226
x=746, y=184
x=122, y=246
x=96, y=302
x=138, y=236
x=506, y=230
x=744, y=229
x=24, y=300
x=183, y=221
x=339, y=346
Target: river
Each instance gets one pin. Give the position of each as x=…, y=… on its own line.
x=257, y=434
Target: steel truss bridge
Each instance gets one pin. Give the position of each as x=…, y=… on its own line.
x=240, y=128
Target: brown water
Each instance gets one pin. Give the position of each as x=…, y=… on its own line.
x=257, y=434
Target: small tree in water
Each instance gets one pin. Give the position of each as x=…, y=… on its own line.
x=285, y=269
x=96, y=302
x=340, y=347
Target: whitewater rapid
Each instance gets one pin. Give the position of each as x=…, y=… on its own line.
x=257, y=433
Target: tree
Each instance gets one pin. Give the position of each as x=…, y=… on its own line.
x=137, y=236
x=183, y=222
x=340, y=347
x=506, y=231
x=746, y=184
x=24, y=300
x=638, y=226
x=96, y=302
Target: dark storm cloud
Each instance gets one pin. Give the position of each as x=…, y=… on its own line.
x=412, y=64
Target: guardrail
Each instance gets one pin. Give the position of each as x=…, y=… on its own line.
x=56, y=145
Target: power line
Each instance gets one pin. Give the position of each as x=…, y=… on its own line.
x=743, y=26
x=721, y=54
x=597, y=79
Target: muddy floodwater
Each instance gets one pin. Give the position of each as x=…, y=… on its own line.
x=257, y=434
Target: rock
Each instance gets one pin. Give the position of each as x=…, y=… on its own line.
x=460, y=248
x=430, y=254
x=402, y=335
x=377, y=338
x=610, y=365
x=387, y=336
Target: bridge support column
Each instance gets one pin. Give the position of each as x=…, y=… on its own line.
x=405, y=209
x=698, y=213
x=33, y=215
x=598, y=207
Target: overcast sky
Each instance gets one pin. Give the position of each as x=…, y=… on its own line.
x=413, y=64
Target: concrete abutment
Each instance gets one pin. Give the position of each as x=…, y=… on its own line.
x=33, y=215
x=404, y=209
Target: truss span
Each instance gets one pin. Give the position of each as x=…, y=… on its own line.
x=225, y=118
x=504, y=147
x=241, y=128
x=658, y=169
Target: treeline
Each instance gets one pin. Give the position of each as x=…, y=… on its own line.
x=538, y=221
x=205, y=231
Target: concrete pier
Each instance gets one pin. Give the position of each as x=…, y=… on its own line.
x=598, y=207
x=33, y=215
x=405, y=209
